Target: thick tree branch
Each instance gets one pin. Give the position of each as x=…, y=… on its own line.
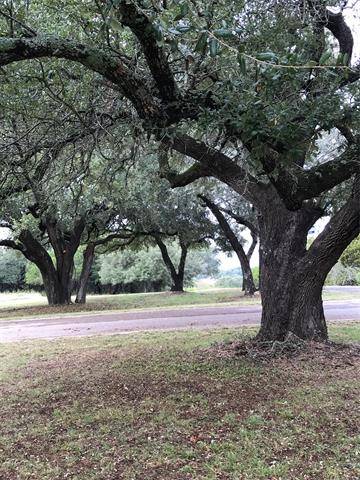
x=327, y=175
x=193, y=173
x=335, y=22
x=241, y=220
x=115, y=236
x=252, y=246
x=108, y=64
x=12, y=244
x=165, y=255
x=214, y=162
x=253, y=229
x=156, y=59
x=295, y=184
x=343, y=227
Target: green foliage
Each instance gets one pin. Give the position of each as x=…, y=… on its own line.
x=130, y=266
x=254, y=61
x=33, y=275
x=12, y=268
x=351, y=256
x=147, y=265
x=343, y=275
x=256, y=275
x=233, y=278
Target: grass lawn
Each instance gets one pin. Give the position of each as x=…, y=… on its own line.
x=25, y=304
x=164, y=406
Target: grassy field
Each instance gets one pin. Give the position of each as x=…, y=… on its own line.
x=33, y=304
x=16, y=305
x=167, y=406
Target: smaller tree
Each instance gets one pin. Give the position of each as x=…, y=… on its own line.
x=163, y=216
x=142, y=269
x=224, y=216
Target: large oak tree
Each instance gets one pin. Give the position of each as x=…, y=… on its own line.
x=244, y=89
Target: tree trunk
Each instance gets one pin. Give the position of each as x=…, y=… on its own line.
x=177, y=284
x=177, y=277
x=88, y=260
x=56, y=292
x=248, y=286
x=292, y=277
x=65, y=245
x=56, y=286
x=283, y=236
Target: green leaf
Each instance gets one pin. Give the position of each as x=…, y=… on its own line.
x=183, y=28
x=214, y=47
x=242, y=64
x=184, y=10
x=325, y=57
x=340, y=59
x=267, y=57
x=201, y=43
x=115, y=24
x=223, y=33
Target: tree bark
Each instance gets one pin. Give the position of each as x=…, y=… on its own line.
x=57, y=293
x=88, y=260
x=177, y=276
x=178, y=280
x=283, y=236
x=292, y=278
x=65, y=245
x=249, y=253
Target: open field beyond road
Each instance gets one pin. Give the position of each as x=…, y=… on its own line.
x=164, y=406
x=34, y=304
x=25, y=304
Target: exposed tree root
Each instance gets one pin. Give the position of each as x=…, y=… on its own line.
x=291, y=347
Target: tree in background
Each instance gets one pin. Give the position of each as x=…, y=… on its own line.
x=243, y=216
x=163, y=216
x=56, y=213
x=145, y=267
x=43, y=203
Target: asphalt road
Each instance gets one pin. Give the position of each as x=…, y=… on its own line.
x=126, y=322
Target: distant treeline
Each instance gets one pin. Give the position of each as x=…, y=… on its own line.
x=118, y=272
